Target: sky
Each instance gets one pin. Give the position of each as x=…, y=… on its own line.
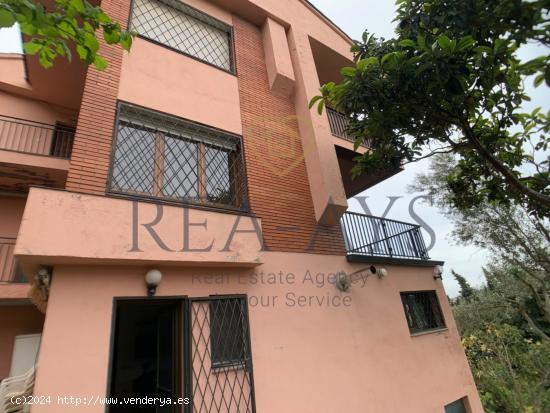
x=354, y=16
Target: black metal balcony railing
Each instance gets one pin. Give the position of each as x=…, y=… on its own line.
x=370, y=236
x=21, y=135
x=339, y=124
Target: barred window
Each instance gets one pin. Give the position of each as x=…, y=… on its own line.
x=185, y=29
x=458, y=406
x=422, y=311
x=165, y=157
x=228, y=332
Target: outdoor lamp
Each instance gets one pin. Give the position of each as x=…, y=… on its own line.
x=438, y=270
x=152, y=279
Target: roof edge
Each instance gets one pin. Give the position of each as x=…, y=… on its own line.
x=323, y=16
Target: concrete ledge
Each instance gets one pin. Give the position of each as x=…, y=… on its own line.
x=61, y=227
x=393, y=261
x=11, y=293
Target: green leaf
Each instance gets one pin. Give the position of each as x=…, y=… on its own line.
x=407, y=43
x=320, y=107
x=45, y=60
x=82, y=51
x=444, y=42
x=421, y=40
x=100, y=63
x=364, y=63
x=547, y=76
x=91, y=42
x=126, y=40
x=7, y=19
x=111, y=37
x=78, y=5
x=32, y=48
x=314, y=100
x=465, y=43
x=538, y=80
x=348, y=71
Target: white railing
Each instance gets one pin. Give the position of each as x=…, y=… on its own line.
x=17, y=387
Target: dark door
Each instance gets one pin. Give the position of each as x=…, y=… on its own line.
x=146, y=357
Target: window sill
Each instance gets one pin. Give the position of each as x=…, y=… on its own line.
x=432, y=331
x=184, y=204
x=224, y=367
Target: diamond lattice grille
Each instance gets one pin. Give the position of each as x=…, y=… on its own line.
x=161, y=156
x=185, y=29
x=221, y=360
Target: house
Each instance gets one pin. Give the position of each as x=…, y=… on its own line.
x=174, y=234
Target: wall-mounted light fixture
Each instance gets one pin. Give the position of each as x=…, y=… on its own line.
x=152, y=279
x=43, y=281
x=343, y=281
x=438, y=271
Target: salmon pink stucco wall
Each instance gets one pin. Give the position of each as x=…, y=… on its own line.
x=34, y=110
x=93, y=228
x=352, y=355
x=11, y=211
x=180, y=85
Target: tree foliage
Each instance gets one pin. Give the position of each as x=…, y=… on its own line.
x=466, y=290
x=451, y=81
x=511, y=370
x=518, y=244
x=71, y=22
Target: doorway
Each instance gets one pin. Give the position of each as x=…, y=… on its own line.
x=146, y=356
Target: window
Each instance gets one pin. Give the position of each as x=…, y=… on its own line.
x=456, y=407
x=227, y=332
x=165, y=157
x=422, y=311
x=185, y=29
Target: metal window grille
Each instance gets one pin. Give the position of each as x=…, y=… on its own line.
x=458, y=406
x=220, y=358
x=422, y=310
x=183, y=28
x=165, y=157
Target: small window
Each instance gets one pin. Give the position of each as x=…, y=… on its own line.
x=185, y=29
x=228, y=332
x=456, y=407
x=422, y=311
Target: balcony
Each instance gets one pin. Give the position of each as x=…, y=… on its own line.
x=33, y=153
x=374, y=239
x=339, y=124
x=26, y=136
x=91, y=229
x=13, y=284
x=9, y=272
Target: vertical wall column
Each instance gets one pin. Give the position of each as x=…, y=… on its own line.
x=89, y=166
x=325, y=180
